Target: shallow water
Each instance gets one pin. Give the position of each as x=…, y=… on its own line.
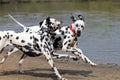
x=101, y=37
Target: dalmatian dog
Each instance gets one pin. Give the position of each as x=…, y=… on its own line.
x=65, y=39
x=55, y=24
x=32, y=44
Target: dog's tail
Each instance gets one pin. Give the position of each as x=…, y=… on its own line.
x=17, y=21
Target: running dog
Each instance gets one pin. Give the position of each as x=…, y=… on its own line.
x=32, y=44
x=55, y=24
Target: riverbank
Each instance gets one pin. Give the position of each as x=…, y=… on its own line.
x=38, y=69
x=29, y=1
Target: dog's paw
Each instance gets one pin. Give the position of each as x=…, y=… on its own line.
x=93, y=64
x=63, y=79
x=21, y=72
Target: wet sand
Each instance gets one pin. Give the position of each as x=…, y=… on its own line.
x=38, y=69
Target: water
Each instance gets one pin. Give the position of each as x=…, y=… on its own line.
x=100, y=41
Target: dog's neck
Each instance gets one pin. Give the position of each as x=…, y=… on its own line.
x=71, y=28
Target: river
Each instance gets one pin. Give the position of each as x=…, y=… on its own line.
x=100, y=41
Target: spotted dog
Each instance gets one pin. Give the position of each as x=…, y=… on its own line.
x=32, y=44
x=65, y=39
x=55, y=24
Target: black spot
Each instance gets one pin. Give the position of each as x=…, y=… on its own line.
x=65, y=37
x=3, y=36
x=86, y=60
x=11, y=49
x=31, y=37
x=68, y=36
x=49, y=43
x=29, y=44
x=66, y=29
x=17, y=37
x=27, y=47
x=36, y=39
x=68, y=47
x=46, y=39
x=41, y=23
x=11, y=35
x=27, y=30
x=75, y=39
x=53, y=65
x=47, y=60
x=62, y=32
x=30, y=32
x=68, y=44
x=0, y=38
x=22, y=56
x=10, y=41
x=41, y=45
x=69, y=40
x=59, y=38
x=52, y=69
x=23, y=41
x=40, y=50
x=53, y=37
x=65, y=43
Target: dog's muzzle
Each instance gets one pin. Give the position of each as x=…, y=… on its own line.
x=78, y=33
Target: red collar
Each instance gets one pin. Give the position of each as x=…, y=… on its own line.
x=72, y=28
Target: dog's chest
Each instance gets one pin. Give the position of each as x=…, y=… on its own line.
x=62, y=38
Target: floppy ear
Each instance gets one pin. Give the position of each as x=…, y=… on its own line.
x=48, y=20
x=73, y=18
x=81, y=17
x=41, y=23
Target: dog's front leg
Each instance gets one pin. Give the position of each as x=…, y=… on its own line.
x=20, y=62
x=47, y=54
x=80, y=54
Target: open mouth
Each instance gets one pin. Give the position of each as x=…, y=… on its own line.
x=78, y=33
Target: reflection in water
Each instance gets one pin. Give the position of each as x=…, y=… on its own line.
x=100, y=39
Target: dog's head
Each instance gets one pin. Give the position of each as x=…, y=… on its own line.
x=78, y=24
x=50, y=23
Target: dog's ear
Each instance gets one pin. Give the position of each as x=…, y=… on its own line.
x=48, y=20
x=73, y=18
x=81, y=17
x=41, y=23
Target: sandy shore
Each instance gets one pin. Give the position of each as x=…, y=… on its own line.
x=38, y=69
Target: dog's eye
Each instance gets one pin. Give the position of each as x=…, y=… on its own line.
x=77, y=25
x=82, y=27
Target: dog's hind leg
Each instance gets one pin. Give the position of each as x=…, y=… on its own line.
x=20, y=63
x=1, y=50
x=63, y=56
x=8, y=54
